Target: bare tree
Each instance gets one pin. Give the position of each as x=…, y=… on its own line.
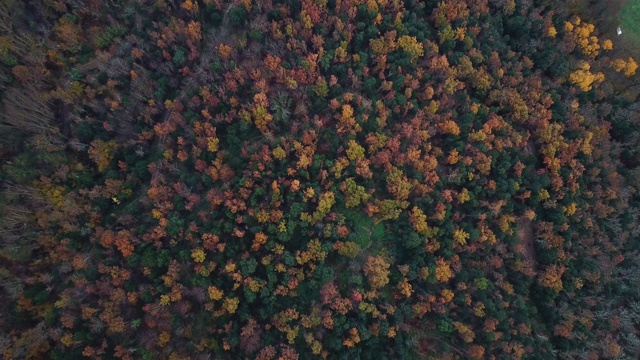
x=27, y=110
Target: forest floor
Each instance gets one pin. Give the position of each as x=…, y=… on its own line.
x=527, y=238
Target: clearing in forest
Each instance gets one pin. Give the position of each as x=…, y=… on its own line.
x=630, y=19
x=526, y=239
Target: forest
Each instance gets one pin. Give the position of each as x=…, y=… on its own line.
x=317, y=179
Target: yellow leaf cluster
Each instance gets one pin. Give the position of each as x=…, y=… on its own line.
x=389, y=209
x=628, y=67
x=453, y=157
x=384, y=45
x=190, y=6
x=347, y=122
x=552, y=277
x=581, y=32
x=449, y=127
x=261, y=118
x=443, y=271
x=398, y=184
x=198, y=255
x=165, y=299
x=354, y=338
x=411, y=45
x=543, y=194
x=419, y=221
x=405, y=288
x=464, y=331
x=618, y=64
x=460, y=236
x=340, y=164
x=341, y=54
x=392, y=332
x=306, y=20
x=263, y=216
x=486, y=235
x=163, y=339
x=215, y=293
x=224, y=51
x=102, y=153
x=327, y=200
x=67, y=340
x=349, y=249
x=212, y=144
x=231, y=305
x=194, y=31
x=354, y=194
x=478, y=310
x=252, y=284
x=282, y=226
x=313, y=253
x=585, y=79
x=355, y=151
x=570, y=210
x=347, y=112
x=55, y=194
x=376, y=269
x=259, y=112
x=316, y=347
x=279, y=153
x=504, y=223
x=631, y=67
x=447, y=295
x=464, y=196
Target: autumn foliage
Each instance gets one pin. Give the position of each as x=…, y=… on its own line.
x=316, y=179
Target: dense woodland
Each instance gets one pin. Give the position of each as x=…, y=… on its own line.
x=336, y=179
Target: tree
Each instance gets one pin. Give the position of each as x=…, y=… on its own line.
x=376, y=269
x=552, y=277
x=27, y=110
x=584, y=79
x=628, y=67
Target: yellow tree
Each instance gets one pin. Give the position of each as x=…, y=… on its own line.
x=398, y=184
x=585, y=79
x=628, y=67
x=411, y=45
x=376, y=269
x=354, y=193
x=443, y=271
x=552, y=277
x=327, y=200
x=464, y=331
x=580, y=32
x=419, y=221
x=102, y=153
x=261, y=116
